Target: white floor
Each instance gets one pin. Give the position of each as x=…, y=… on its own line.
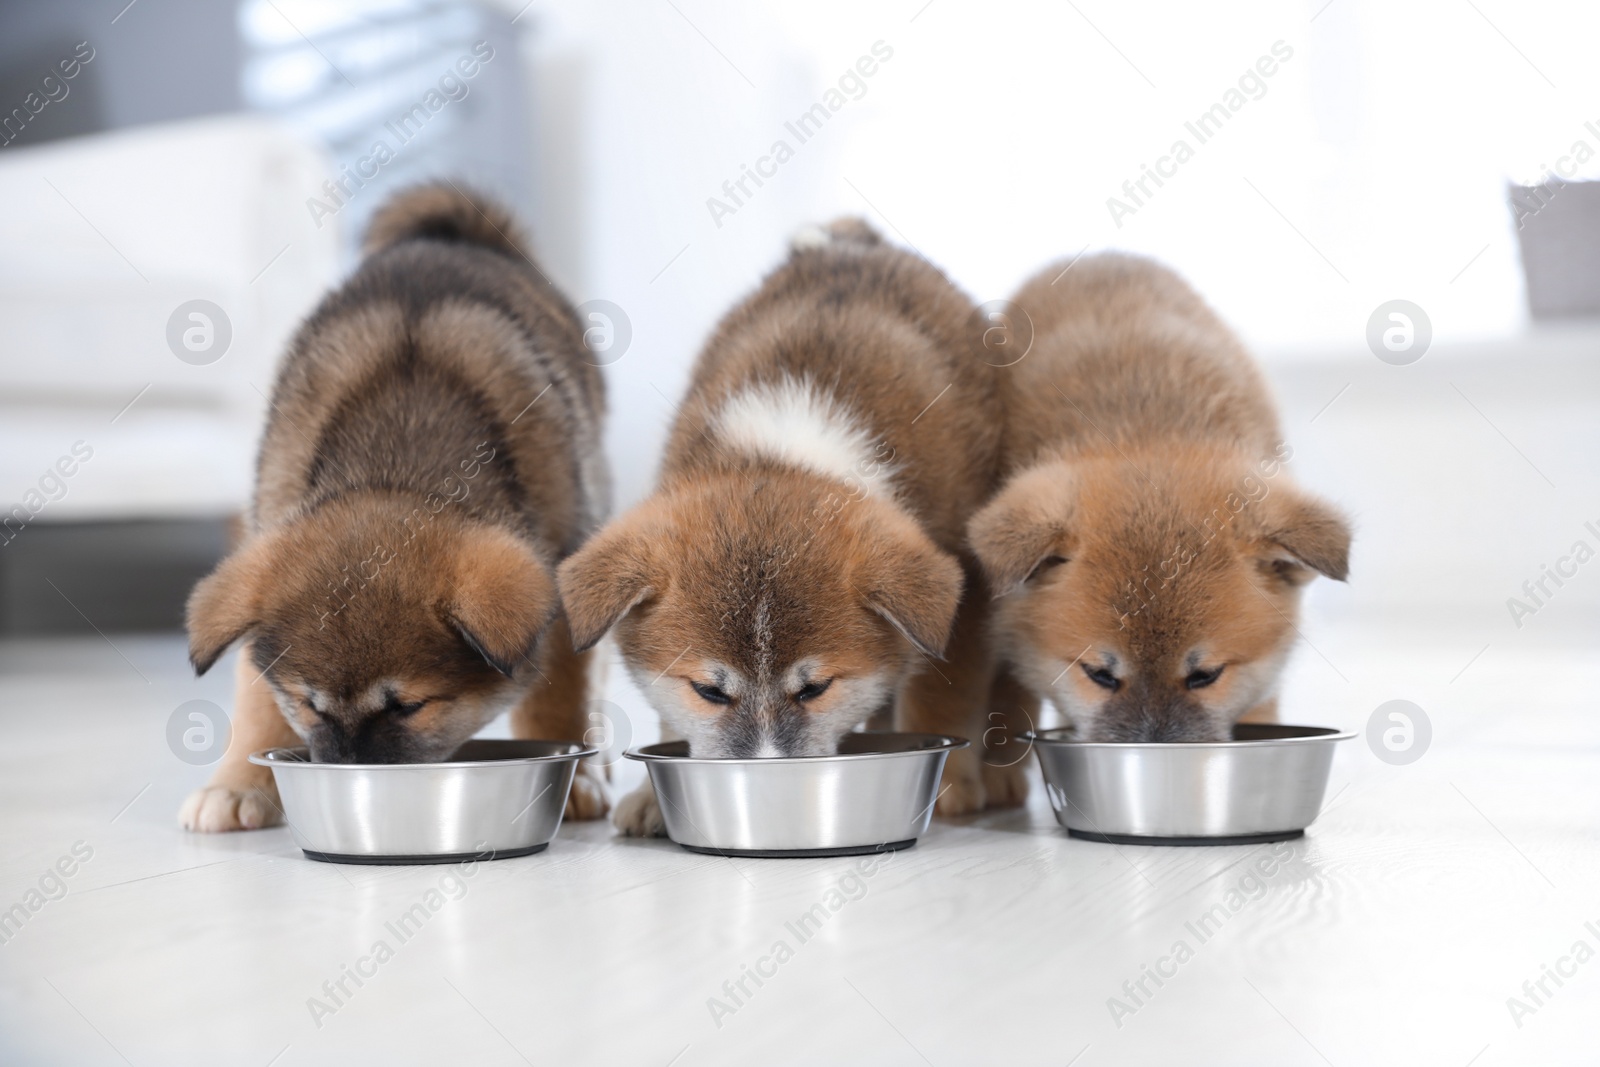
x=1394, y=932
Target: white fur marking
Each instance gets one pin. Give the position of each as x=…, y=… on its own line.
x=794, y=422
x=763, y=636
x=812, y=236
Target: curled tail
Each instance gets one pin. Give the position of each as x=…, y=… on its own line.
x=441, y=211
x=846, y=231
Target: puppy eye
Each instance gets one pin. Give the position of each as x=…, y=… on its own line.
x=711, y=694
x=1045, y=564
x=394, y=706
x=1102, y=677
x=812, y=690
x=1201, y=679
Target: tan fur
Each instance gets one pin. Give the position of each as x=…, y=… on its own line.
x=1148, y=529
x=431, y=455
x=553, y=707
x=239, y=796
x=763, y=570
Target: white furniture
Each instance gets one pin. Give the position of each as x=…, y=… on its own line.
x=106, y=236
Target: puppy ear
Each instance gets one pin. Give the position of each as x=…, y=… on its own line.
x=503, y=598
x=226, y=604
x=605, y=579
x=1026, y=527
x=1303, y=537
x=913, y=584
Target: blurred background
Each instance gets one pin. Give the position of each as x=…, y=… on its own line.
x=182, y=180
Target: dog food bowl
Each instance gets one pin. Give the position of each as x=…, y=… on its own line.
x=876, y=795
x=490, y=800
x=1266, y=784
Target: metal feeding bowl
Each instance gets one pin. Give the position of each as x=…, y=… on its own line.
x=489, y=800
x=1266, y=784
x=876, y=795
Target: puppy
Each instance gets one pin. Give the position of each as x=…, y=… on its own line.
x=431, y=454
x=1149, y=547
x=796, y=570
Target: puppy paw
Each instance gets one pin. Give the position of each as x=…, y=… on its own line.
x=1004, y=787
x=587, y=799
x=639, y=815
x=217, y=808
x=961, y=787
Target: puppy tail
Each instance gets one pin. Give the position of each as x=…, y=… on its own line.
x=846, y=232
x=441, y=211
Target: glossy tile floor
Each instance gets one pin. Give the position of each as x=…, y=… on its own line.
x=1395, y=932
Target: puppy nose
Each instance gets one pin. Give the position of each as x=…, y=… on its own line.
x=1174, y=721
x=757, y=744
x=329, y=743
x=1163, y=730
x=330, y=746
x=765, y=731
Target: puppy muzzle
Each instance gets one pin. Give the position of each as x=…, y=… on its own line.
x=1138, y=718
x=383, y=744
x=767, y=732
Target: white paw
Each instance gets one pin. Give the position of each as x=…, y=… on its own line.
x=588, y=799
x=1005, y=787
x=961, y=786
x=638, y=814
x=217, y=808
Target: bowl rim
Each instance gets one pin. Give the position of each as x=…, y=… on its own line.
x=264, y=758
x=1320, y=735
x=946, y=743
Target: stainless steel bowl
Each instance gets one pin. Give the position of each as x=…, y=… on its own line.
x=490, y=800
x=1266, y=784
x=876, y=795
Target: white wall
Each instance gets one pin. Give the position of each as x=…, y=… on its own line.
x=990, y=141
x=993, y=138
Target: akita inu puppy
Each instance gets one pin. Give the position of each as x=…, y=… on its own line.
x=431, y=454
x=1149, y=548
x=797, y=571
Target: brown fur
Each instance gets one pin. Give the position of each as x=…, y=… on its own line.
x=760, y=575
x=430, y=456
x=1147, y=530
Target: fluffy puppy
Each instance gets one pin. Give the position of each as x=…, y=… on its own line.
x=1150, y=550
x=796, y=570
x=431, y=454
